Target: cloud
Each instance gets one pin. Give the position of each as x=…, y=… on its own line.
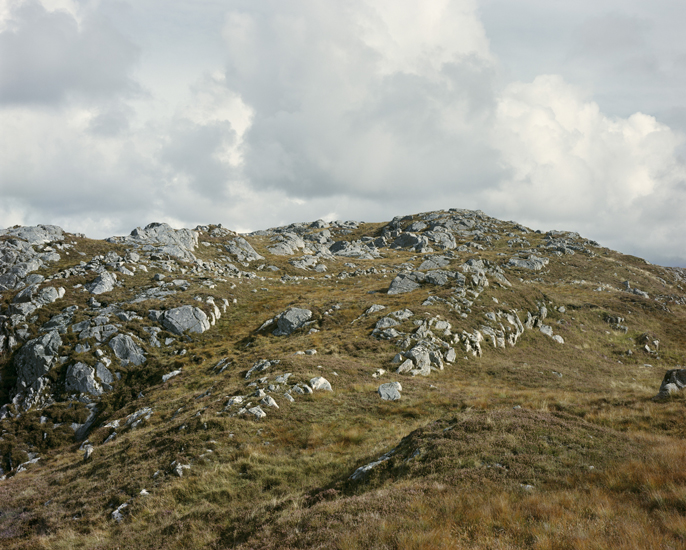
x=362, y=98
x=47, y=57
x=359, y=110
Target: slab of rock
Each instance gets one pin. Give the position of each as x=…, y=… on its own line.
x=81, y=379
x=291, y=320
x=102, y=372
x=126, y=350
x=404, y=282
x=422, y=360
x=403, y=314
x=261, y=365
x=185, y=319
x=280, y=249
x=320, y=383
x=532, y=262
x=102, y=283
x=390, y=391
x=435, y=262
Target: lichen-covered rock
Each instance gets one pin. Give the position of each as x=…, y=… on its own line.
x=126, y=350
x=185, y=319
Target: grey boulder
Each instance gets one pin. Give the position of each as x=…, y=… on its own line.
x=291, y=320
x=102, y=283
x=81, y=379
x=36, y=358
x=185, y=319
x=390, y=391
x=404, y=282
x=126, y=350
x=320, y=383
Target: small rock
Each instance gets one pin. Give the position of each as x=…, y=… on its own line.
x=268, y=401
x=87, y=453
x=117, y=514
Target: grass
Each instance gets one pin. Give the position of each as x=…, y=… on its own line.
x=284, y=482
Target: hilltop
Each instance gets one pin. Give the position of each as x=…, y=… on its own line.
x=442, y=380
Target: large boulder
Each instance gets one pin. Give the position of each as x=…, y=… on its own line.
x=39, y=234
x=291, y=320
x=179, y=243
x=36, y=358
x=102, y=283
x=81, y=379
x=673, y=382
x=185, y=319
x=126, y=350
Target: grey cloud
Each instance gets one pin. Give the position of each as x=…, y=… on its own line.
x=611, y=33
x=331, y=118
x=195, y=150
x=46, y=57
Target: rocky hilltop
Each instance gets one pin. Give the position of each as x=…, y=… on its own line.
x=150, y=381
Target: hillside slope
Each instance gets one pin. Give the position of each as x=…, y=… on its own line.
x=444, y=380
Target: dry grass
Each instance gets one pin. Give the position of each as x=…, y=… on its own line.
x=283, y=482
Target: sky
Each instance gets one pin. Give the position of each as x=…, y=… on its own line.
x=258, y=113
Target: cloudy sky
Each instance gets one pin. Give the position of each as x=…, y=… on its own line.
x=256, y=113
